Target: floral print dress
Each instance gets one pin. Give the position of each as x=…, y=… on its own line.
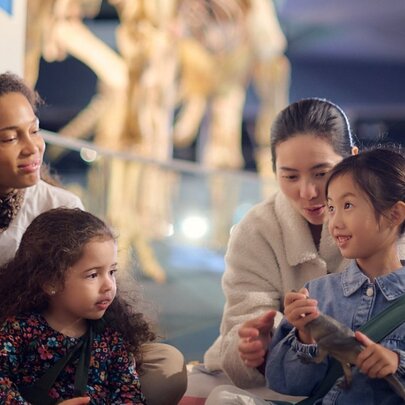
x=29, y=346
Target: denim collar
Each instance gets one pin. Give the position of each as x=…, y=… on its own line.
x=391, y=285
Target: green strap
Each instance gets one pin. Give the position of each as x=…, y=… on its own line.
x=376, y=329
x=386, y=321
x=334, y=372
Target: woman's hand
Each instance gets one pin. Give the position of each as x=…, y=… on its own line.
x=375, y=360
x=254, y=338
x=76, y=401
x=299, y=310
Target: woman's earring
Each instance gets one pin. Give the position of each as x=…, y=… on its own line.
x=53, y=292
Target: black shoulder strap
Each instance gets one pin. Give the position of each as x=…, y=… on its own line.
x=376, y=329
x=37, y=394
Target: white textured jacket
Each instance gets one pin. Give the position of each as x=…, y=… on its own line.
x=37, y=199
x=270, y=252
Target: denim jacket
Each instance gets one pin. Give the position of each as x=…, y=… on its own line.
x=352, y=299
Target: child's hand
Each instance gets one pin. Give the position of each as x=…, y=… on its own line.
x=254, y=338
x=76, y=401
x=375, y=360
x=299, y=310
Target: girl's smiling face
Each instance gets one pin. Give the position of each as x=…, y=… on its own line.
x=358, y=230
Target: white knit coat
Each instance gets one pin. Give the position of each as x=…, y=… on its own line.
x=270, y=252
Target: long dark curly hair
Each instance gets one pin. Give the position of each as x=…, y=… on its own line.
x=52, y=243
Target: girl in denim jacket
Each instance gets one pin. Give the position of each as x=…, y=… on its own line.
x=366, y=204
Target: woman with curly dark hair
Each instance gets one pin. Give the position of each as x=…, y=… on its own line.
x=67, y=335
x=26, y=189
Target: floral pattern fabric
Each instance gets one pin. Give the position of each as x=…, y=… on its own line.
x=29, y=346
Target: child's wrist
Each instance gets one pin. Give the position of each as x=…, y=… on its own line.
x=304, y=337
x=398, y=360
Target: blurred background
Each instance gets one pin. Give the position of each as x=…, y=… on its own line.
x=349, y=52
x=222, y=69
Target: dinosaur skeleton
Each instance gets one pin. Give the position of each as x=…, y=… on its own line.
x=196, y=56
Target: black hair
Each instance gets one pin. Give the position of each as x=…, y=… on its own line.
x=11, y=83
x=380, y=174
x=313, y=116
x=52, y=243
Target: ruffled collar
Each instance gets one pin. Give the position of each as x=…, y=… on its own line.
x=10, y=204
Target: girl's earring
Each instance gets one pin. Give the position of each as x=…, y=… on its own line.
x=53, y=292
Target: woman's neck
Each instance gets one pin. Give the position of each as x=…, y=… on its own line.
x=316, y=231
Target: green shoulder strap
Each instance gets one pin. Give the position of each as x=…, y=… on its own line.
x=376, y=329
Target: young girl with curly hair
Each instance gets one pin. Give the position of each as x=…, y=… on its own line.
x=67, y=336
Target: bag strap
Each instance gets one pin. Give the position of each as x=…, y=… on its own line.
x=386, y=321
x=82, y=369
x=38, y=393
x=376, y=329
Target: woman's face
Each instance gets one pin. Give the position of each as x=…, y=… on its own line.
x=21, y=145
x=302, y=167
